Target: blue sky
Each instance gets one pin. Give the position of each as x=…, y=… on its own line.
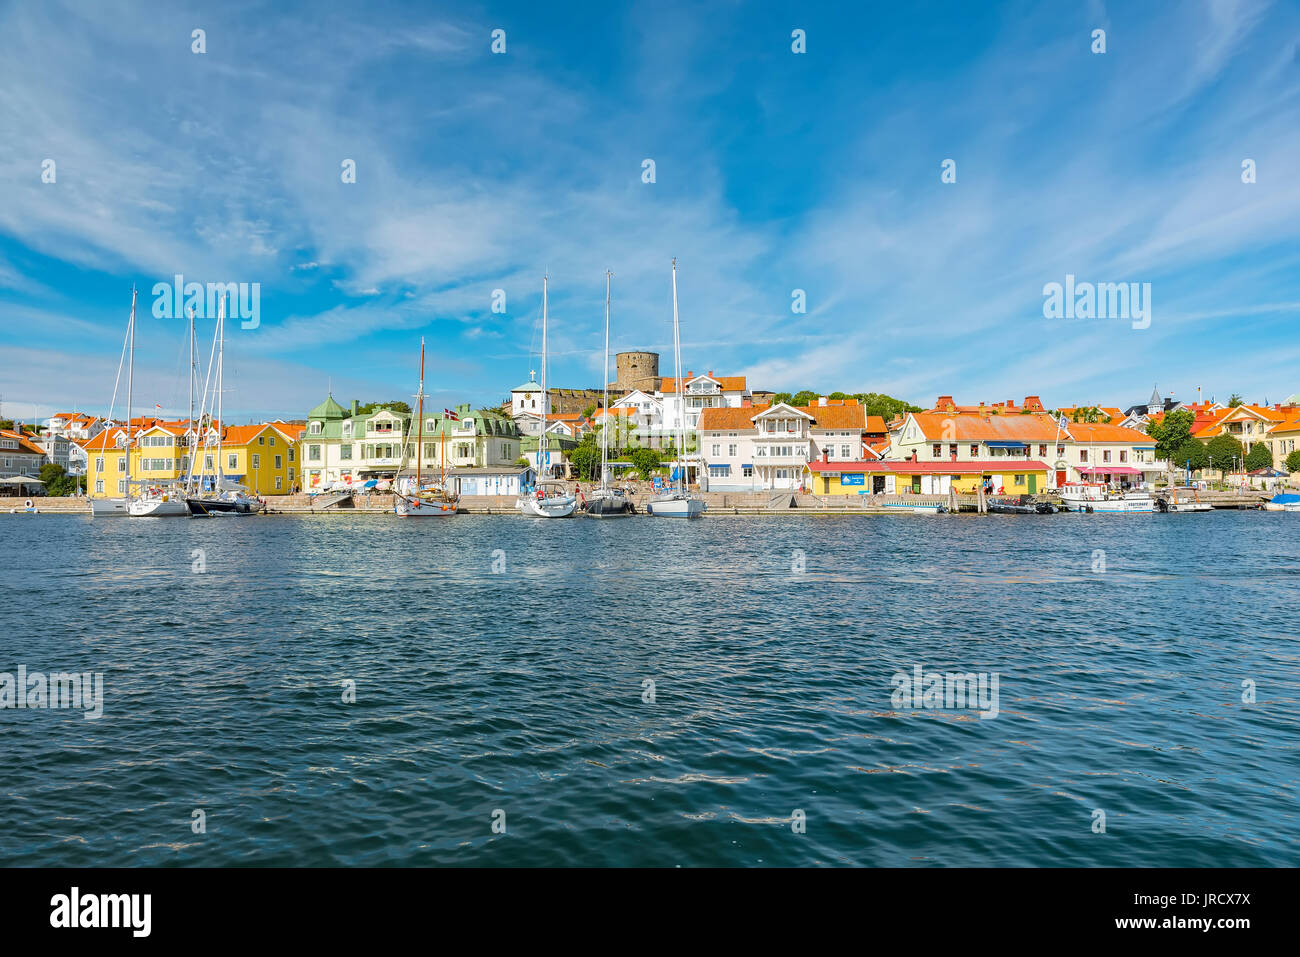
x=775, y=171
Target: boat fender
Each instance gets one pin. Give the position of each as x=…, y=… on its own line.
x=29, y=504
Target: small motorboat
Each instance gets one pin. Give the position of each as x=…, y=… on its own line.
x=1283, y=502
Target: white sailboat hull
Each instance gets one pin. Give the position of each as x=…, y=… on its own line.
x=676, y=507
x=158, y=508
x=559, y=506
x=108, y=507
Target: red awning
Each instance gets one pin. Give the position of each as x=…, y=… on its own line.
x=1110, y=470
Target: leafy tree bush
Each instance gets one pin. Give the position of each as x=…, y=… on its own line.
x=1171, y=433
x=1225, y=452
x=1293, y=461
x=1191, y=454
x=1259, y=457
x=646, y=462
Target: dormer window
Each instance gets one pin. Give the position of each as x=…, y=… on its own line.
x=314, y=427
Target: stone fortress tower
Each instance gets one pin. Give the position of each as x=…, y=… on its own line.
x=636, y=370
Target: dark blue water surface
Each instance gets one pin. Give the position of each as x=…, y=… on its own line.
x=522, y=691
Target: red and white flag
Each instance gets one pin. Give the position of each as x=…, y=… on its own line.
x=447, y=413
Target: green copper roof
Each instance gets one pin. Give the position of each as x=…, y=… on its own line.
x=329, y=409
x=529, y=386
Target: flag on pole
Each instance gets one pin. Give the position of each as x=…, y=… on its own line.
x=447, y=413
x=1063, y=423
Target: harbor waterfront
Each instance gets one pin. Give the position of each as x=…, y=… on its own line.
x=655, y=693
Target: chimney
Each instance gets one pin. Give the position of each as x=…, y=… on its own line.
x=690, y=374
x=821, y=400
x=826, y=455
x=746, y=403
x=355, y=405
x=710, y=373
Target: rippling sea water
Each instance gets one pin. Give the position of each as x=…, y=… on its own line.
x=523, y=691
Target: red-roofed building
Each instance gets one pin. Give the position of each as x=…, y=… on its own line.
x=770, y=447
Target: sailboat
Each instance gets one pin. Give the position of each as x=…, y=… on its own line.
x=413, y=500
x=678, y=503
x=223, y=498
x=109, y=507
x=606, y=502
x=548, y=499
x=153, y=500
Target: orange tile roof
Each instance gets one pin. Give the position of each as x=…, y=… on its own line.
x=728, y=383
x=1108, y=432
x=839, y=416
x=105, y=439
x=243, y=434
x=24, y=443
x=1215, y=425
x=1033, y=427
x=875, y=425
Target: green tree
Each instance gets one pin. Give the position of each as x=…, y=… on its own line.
x=1259, y=457
x=589, y=411
x=585, y=458
x=1191, y=454
x=1235, y=400
x=57, y=480
x=1226, y=452
x=1171, y=433
x=1293, y=461
x=645, y=461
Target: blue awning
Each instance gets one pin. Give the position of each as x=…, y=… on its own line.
x=747, y=465
x=1006, y=445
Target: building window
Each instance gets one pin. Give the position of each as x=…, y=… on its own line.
x=846, y=451
x=99, y=486
x=1060, y=450
x=1020, y=480
x=1083, y=455
x=290, y=473
x=717, y=450
x=314, y=428
x=719, y=471
x=261, y=440
x=1042, y=449
x=279, y=463
x=232, y=461
x=99, y=464
x=291, y=453
x=257, y=461
x=937, y=450
x=1105, y=455
x=121, y=486
x=974, y=450
x=345, y=452
x=731, y=450
x=1123, y=455
x=747, y=471
x=279, y=483
x=121, y=463
x=313, y=453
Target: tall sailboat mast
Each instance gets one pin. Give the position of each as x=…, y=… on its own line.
x=419, y=425
x=130, y=379
x=191, y=435
x=681, y=395
x=604, y=432
x=221, y=383
x=542, y=457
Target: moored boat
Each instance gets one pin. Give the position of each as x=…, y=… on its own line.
x=678, y=503
x=543, y=500
x=606, y=502
x=1283, y=502
x=412, y=497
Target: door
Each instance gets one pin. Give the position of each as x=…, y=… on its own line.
x=877, y=484
x=1060, y=478
x=1033, y=483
